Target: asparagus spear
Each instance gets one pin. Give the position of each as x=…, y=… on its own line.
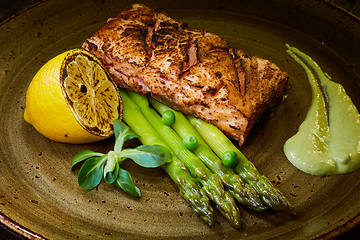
x=243, y=192
x=211, y=183
x=219, y=143
x=189, y=187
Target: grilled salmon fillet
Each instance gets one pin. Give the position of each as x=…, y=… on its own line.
x=190, y=70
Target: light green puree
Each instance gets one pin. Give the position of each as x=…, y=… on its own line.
x=328, y=141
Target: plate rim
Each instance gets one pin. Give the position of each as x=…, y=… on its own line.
x=17, y=229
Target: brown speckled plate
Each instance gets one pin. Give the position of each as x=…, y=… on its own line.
x=39, y=195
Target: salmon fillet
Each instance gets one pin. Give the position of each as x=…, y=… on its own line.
x=190, y=70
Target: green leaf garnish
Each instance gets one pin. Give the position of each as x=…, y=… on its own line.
x=98, y=165
x=148, y=156
x=122, y=134
x=111, y=169
x=83, y=155
x=91, y=172
x=125, y=182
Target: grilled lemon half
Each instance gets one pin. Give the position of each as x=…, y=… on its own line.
x=72, y=99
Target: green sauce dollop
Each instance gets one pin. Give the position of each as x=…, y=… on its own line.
x=328, y=141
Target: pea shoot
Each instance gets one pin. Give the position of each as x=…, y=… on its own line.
x=190, y=142
x=168, y=117
x=98, y=165
x=229, y=159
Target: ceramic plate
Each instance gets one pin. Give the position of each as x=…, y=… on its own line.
x=39, y=195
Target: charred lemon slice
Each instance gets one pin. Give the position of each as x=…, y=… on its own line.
x=72, y=99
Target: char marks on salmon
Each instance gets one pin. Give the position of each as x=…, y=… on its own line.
x=190, y=70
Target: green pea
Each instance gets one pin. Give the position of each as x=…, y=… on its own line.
x=190, y=142
x=168, y=117
x=229, y=159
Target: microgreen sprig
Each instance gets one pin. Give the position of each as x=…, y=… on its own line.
x=98, y=165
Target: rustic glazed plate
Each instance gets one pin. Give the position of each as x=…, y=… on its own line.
x=39, y=195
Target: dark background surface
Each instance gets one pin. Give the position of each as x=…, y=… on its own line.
x=10, y=7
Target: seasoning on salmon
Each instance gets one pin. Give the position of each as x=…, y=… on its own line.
x=190, y=70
